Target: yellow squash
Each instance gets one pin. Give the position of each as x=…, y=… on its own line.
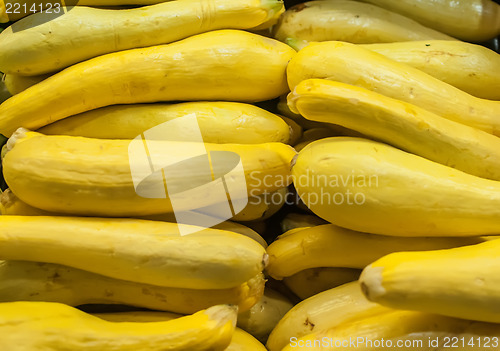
x=241, y=341
x=57, y=327
x=400, y=124
x=372, y=187
x=321, y=312
x=312, y=281
x=471, y=20
x=349, y=21
x=260, y=320
x=356, y=65
x=461, y=282
x=220, y=65
x=219, y=122
x=11, y=205
x=332, y=246
x=43, y=43
x=140, y=251
x=35, y=281
x=402, y=330
x=469, y=67
x=84, y=176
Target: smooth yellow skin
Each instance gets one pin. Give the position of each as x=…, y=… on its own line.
x=351, y=64
x=220, y=122
x=349, y=21
x=16, y=83
x=262, y=207
x=415, y=281
x=471, y=20
x=42, y=43
x=299, y=220
x=321, y=312
x=312, y=281
x=92, y=177
x=471, y=68
x=260, y=320
x=57, y=327
x=220, y=65
x=406, y=326
x=400, y=194
x=34, y=281
x=400, y=124
x=332, y=246
x=11, y=205
x=241, y=341
x=135, y=250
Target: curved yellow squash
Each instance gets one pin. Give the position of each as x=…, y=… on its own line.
x=219, y=122
x=403, y=330
x=471, y=20
x=321, y=312
x=11, y=205
x=356, y=65
x=35, y=281
x=460, y=282
x=350, y=21
x=371, y=187
x=220, y=65
x=84, y=176
x=140, y=251
x=241, y=341
x=332, y=246
x=57, y=327
x=468, y=67
x=43, y=43
x=400, y=124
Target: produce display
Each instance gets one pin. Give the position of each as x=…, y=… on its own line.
x=249, y=175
